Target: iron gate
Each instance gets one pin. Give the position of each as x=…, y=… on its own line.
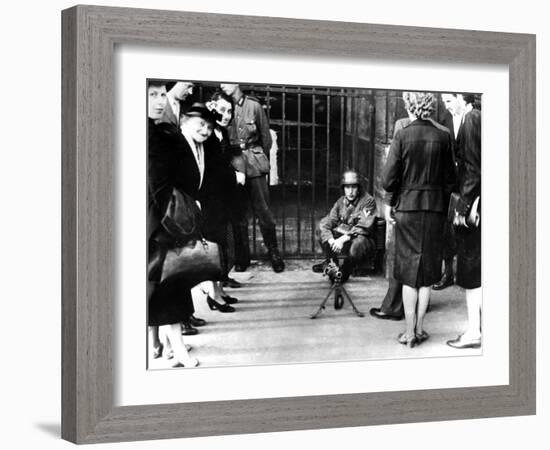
x=320, y=133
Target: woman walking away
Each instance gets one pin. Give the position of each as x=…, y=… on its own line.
x=419, y=177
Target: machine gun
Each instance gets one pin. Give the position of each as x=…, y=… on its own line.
x=334, y=274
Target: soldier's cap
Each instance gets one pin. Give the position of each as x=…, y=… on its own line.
x=200, y=110
x=350, y=178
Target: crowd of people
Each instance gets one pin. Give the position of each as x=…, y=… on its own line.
x=427, y=162
x=216, y=154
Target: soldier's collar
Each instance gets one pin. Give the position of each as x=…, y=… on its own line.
x=241, y=101
x=348, y=203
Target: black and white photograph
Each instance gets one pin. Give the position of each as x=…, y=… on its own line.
x=261, y=225
x=293, y=224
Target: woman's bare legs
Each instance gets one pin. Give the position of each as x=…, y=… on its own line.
x=423, y=301
x=410, y=300
x=218, y=289
x=155, y=342
x=473, y=303
x=214, y=289
x=181, y=355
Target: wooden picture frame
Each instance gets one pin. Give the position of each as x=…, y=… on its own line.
x=90, y=34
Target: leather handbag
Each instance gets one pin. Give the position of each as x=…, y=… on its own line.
x=197, y=261
x=457, y=207
x=180, y=251
x=182, y=218
x=460, y=214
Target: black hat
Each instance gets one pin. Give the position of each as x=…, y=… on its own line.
x=200, y=110
x=157, y=82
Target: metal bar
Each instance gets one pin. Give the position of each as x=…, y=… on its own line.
x=254, y=234
x=268, y=103
x=313, y=173
x=327, y=174
x=283, y=169
x=388, y=137
x=353, y=118
x=342, y=130
x=299, y=191
x=293, y=122
x=267, y=113
x=254, y=247
x=319, y=90
x=372, y=122
x=292, y=148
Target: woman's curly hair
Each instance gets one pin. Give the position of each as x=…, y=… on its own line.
x=421, y=104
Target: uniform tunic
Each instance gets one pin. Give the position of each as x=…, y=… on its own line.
x=354, y=219
x=250, y=131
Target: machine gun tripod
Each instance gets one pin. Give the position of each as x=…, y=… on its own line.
x=332, y=271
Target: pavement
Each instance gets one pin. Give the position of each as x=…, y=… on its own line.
x=272, y=323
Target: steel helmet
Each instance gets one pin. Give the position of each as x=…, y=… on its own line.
x=350, y=178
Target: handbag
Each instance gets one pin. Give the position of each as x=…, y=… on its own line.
x=182, y=218
x=180, y=251
x=197, y=261
x=460, y=214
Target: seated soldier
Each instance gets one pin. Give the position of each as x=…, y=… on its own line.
x=346, y=230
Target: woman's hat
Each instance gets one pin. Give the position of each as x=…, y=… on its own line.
x=200, y=110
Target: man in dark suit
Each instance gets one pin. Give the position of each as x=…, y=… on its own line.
x=392, y=305
x=451, y=120
x=175, y=96
x=468, y=223
x=250, y=131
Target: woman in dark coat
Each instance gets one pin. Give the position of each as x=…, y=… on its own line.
x=214, y=177
x=220, y=185
x=169, y=303
x=419, y=173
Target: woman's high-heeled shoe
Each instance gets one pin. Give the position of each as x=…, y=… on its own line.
x=170, y=353
x=409, y=341
x=221, y=307
x=193, y=362
x=157, y=351
x=421, y=337
x=230, y=300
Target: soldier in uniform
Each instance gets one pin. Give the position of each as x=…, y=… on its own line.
x=346, y=230
x=250, y=131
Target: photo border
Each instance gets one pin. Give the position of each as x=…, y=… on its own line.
x=89, y=37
